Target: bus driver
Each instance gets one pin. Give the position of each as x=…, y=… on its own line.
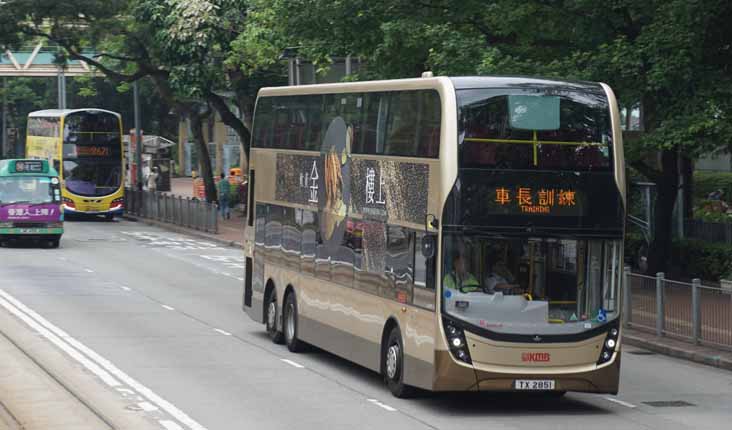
x=459, y=278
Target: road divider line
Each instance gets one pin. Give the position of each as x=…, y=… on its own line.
x=225, y=333
x=170, y=308
x=126, y=288
x=170, y=425
x=382, y=405
x=89, y=270
x=620, y=402
x=292, y=363
x=90, y=359
x=89, y=365
x=147, y=406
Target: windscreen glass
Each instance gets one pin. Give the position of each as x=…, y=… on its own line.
x=92, y=153
x=530, y=285
x=32, y=190
x=536, y=128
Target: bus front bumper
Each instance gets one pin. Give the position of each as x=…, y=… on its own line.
x=451, y=376
x=115, y=212
x=31, y=231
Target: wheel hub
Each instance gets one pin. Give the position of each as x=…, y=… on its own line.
x=271, y=314
x=290, y=322
x=392, y=361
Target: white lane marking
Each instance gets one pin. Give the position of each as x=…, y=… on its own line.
x=292, y=363
x=89, y=270
x=94, y=360
x=620, y=402
x=125, y=391
x=147, y=406
x=241, y=279
x=170, y=308
x=126, y=288
x=382, y=405
x=88, y=364
x=225, y=333
x=170, y=425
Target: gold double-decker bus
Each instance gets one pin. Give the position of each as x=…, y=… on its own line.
x=85, y=146
x=453, y=234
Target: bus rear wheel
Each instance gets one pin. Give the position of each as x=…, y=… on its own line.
x=393, y=366
x=271, y=318
x=290, y=313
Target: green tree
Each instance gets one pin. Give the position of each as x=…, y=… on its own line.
x=180, y=45
x=673, y=57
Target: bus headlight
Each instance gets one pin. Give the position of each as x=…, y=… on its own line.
x=117, y=203
x=456, y=342
x=608, y=347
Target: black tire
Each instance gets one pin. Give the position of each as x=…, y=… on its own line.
x=289, y=324
x=109, y=217
x=54, y=243
x=270, y=318
x=392, y=367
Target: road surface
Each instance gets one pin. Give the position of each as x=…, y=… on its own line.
x=158, y=316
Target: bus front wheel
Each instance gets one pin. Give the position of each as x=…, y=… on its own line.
x=393, y=366
x=271, y=318
x=290, y=313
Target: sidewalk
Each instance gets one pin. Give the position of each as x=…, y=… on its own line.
x=679, y=349
x=231, y=231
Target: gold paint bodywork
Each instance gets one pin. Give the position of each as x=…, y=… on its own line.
x=350, y=321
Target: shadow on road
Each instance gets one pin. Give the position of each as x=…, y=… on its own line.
x=454, y=404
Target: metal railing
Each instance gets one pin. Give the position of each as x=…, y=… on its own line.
x=689, y=311
x=170, y=209
x=718, y=232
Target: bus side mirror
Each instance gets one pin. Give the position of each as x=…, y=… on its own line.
x=428, y=246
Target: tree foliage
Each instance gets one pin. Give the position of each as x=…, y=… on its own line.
x=671, y=57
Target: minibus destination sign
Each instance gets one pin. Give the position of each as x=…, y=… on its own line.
x=30, y=166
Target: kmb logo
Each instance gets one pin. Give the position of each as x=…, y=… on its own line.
x=535, y=356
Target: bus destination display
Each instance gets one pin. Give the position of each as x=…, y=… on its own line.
x=532, y=200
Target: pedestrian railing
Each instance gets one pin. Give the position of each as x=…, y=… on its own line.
x=689, y=311
x=718, y=232
x=170, y=209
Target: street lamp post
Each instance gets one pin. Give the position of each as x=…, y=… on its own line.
x=138, y=135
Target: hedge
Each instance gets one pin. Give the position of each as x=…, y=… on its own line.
x=706, y=182
x=690, y=258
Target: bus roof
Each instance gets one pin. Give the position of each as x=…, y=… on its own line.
x=63, y=112
x=458, y=82
x=469, y=82
x=7, y=168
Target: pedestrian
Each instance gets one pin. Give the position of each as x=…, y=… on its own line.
x=152, y=180
x=223, y=191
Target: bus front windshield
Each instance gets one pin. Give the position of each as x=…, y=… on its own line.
x=530, y=285
x=31, y=190
x=92, y=150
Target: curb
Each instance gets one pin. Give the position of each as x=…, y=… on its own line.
x=677, y=352
x=184, y=230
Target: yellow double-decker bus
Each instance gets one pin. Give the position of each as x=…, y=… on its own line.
x=85, y=147
x=450, y=233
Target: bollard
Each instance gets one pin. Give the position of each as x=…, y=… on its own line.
x=215, y=220
x=188, y=212
x=696, y=309
x=660, y=318
x=627, y=310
